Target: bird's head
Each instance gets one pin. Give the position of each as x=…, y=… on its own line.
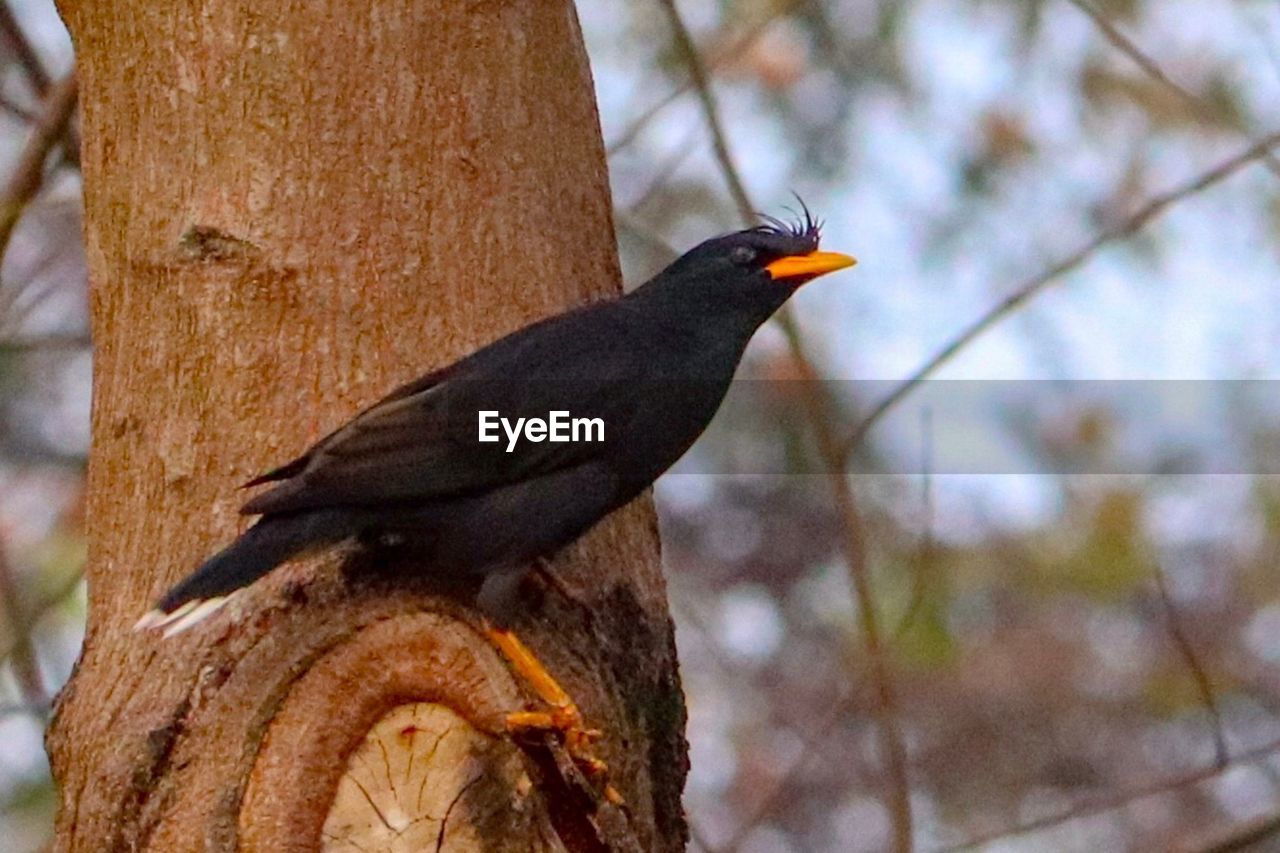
x=778, y=254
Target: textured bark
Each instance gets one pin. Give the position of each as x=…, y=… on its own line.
x=290, y=209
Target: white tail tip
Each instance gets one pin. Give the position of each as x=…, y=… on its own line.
x=184, y=617
x=149, y=620
x=202, y=611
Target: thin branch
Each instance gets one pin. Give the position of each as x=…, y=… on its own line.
x=1100, y=805
x=36, y=73
x=852, y=530
x=28, y=174
x=68, y=586
x=854, y=545
x=1244, y=836
x=734, y=50
x=1201, y=109
x=1129, y=48
x=1030, y=288
x=646, y=234
x=711, y=112
x=1188, y=654
x=24, y=51
x=809, y=745
x=926, y=554
x=26, y=670
x=698, y=838
x=15, y=709
x=19, y=111
x=666, y=169
x=57, y=341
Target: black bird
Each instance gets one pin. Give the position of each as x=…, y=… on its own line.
x=652, y=366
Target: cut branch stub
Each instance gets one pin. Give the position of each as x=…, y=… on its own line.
x=395, y=797
x=346, y=718
x=421, y=773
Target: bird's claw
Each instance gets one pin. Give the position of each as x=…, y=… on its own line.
x=566, y=722
x=558, y=715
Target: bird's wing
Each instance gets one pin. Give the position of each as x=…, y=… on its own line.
x=421, y=442
x=296, y=466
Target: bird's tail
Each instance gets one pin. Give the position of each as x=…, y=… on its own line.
x=259, y=549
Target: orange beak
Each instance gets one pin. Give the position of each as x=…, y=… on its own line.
x=808, y=266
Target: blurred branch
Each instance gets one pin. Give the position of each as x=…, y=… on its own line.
x=46, y=343
x=23, y=50
x=854, y=545
x=36, y=74
x=1111, y=802
x=28, y=174
x=50, y=601
x=1153, y=70
x=1024, y=292
x=16, y=109
x=666, y=169
x=898, y=798
x=26, y=670
x=809, y=745
x=15, y=709
x=1244, y=836
x=927, y=551
x=733, y=50
x=646, y=233
x=1188, y=654
x=853, y=533
x=710, y=111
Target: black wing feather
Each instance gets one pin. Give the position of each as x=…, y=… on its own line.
x=419, y=443
x=296, y=466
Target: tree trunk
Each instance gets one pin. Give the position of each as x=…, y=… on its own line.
x=290, y=209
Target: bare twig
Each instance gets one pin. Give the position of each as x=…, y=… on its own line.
x=852, y=530
x=927, y=551
x=12, y=106
x=36, y=74
x=1198, y=108
x=1153, y=70
x=1243, y=836
x=1110, y=802
x=733, y=50
x=26, y=670
x=854, y=545
x=1030, y=288
x=1188, y=654
x=666, y=169
x=697, y=837
x=24, y=709
x=702, y=85
x=28, y=175
x=1130, y=49
x=810, y=744
x=45, y=343
x=37, y=612
x=23, y=50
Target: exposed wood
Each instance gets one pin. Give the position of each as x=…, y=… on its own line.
x=290, y=208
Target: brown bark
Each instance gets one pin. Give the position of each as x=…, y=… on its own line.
x=290, y=208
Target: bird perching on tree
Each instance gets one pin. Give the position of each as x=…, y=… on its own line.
x=413, y=471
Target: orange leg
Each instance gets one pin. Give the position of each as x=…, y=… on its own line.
x=562, y=714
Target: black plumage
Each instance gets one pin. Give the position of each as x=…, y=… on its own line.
x=652, y=365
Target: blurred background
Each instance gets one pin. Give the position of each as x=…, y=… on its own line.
x=1006, y=578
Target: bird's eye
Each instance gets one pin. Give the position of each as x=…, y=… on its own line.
x=742, y=255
